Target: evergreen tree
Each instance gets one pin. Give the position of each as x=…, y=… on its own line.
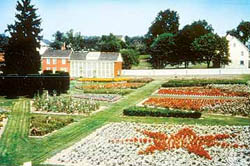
x=21, y=56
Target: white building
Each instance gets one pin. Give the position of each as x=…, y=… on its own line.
x=95, y=64
x=239, y=54
x=44, y=45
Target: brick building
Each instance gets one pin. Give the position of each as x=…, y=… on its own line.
x=83, y=64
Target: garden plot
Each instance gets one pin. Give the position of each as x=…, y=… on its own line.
x=98, y=97
x=156, y=145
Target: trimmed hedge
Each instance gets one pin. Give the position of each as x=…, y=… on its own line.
x=200, y=82
x=29, y=85
x=157, y=112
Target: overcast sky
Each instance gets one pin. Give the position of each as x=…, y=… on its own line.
x=126, y=17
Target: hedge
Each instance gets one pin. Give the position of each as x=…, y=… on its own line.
x=157, y=112
x=200, y=82
x=29, y=85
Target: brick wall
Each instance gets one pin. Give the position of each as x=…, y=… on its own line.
x=58, y=64
x=118, y=69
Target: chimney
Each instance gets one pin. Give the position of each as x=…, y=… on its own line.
x=63, y=46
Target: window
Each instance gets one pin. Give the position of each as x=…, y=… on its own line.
x=48, y=61
x=64, y=69
x=54, y=69
x=54, y=61
x=241, y=62
x=63, y=61
x=48, y=68
x=242, y=53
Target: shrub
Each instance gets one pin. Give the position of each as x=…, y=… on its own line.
x=140, y=80
x=157, y=112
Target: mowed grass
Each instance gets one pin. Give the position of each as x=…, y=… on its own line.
x=16, y=147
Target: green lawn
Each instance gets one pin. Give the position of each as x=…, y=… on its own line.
x=16, y=147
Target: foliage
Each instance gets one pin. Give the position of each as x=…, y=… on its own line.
x=157, y=112
x=211, y=47
x=166, y=22
x=141, y=80
x=90, y=43
x=46, y=103
x=41, y=125
x=110, y=43
x=185, y=38
x=242, y=32
x=58, y=41
x=21, y=55
x=3, y=42
x=201, y=82
x=137, y=43
x=73, y=41
x=162, y=51
x=114, y=86
x=130, y=57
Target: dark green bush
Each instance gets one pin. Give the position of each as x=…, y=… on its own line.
x=157, y=112
x=200, y=82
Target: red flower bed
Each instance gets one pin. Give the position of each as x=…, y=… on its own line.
x=189, y=104
x=199, y=91
x=185, y=138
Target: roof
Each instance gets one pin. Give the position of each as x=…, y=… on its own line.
x=229, y=37
x=45, y=41
x=56, y=53
x=100, y=56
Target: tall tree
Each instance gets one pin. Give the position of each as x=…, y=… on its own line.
x=185, y=38
x=74, y=41
x=110, y=43
x=21, y=56
x=166, y=22
x=162, y=51
x=242, y=32
x=211, y=48
x=58, y=41
x=91, y=42
x=3, y=42
x=136, y=42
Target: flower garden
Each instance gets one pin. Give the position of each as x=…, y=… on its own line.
x=156, y=123
x=144, y=144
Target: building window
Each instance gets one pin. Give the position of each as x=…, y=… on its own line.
x=54, y=69
x=241, y=62
x=64, y=69
x=54, y=61
x=242, y=53
x=63, y=61
x=48, y=61
x=48, y=68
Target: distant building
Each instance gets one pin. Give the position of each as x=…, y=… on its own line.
x=56, y=60
x=83, y=64
x=239, y=54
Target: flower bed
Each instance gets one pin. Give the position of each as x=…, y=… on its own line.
x=200, y=82
x=41, y=125
x=98, y=97
x=59, y=104
x=103, y=79
x=144, y=144
x=237, y=107
x=141, y=80
x=179, y=103
x=114, y=86
x=156, y=112
x=105, y=91
x=200, y=91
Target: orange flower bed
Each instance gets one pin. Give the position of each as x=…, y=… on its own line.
x=189, y=104
x=198, y=91
x=185, y=138
x=115, y=85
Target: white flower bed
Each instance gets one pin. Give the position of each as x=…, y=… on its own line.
x=98, y=148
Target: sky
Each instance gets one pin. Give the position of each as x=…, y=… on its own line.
x=126, y=17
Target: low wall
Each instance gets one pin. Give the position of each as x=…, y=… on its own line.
x=184, y=72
